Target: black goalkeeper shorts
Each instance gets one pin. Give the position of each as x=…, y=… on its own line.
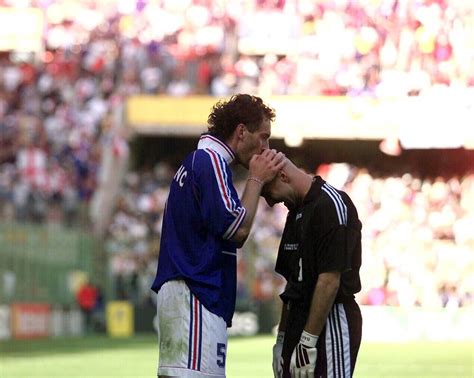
x=338, y=344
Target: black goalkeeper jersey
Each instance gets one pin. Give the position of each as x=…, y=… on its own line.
x=323, y=234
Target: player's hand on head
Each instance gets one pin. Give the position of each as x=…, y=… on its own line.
x=303, y=358
x=277, y=162
x=266, y=165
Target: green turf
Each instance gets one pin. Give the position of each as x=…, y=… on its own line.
x=247, y=357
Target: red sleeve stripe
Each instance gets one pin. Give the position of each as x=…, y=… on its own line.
x=220, y=181
x=223, y=166
x=235, y=224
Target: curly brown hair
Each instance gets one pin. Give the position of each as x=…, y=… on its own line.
x=240, y=108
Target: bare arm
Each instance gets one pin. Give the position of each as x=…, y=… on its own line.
x=324, y=295
x=283, y=319
x=250, y=202
x=263, y=168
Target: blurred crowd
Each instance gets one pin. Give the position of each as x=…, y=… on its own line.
x=417, y=238
x=57, y=116
x=56, y=105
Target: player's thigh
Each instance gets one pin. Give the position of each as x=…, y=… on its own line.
x=354, y=318
x=340, y=341
x=192, y=340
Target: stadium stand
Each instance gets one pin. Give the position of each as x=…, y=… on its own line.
x=56, y=117
x=417, y=238
x=55, y=110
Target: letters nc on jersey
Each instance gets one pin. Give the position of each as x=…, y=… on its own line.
x=202, y=214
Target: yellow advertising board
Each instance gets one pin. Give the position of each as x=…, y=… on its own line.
x=300, y=116
x=418, y=122
x=165, y=114
x=120, y=318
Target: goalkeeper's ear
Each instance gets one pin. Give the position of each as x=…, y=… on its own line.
x=283, y=176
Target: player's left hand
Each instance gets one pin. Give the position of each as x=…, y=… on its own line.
x=303, y=359
x=277, y=362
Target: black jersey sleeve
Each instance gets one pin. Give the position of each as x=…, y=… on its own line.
x=338, y=231
x=334, y=252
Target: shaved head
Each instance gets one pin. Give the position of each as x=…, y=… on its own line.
x=289, y=186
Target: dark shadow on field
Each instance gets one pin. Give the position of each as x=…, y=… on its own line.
x=33, y=348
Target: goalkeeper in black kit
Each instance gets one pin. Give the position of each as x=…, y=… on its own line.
x=320, y=330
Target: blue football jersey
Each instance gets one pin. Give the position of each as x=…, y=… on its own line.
x=202, y=214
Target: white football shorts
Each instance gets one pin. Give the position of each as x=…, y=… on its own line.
x=192, y=340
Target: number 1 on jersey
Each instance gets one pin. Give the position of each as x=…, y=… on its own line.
x=300, y=274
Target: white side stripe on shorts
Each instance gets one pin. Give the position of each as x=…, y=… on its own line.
x=338, y=343
x=195, y=333
x=341, y=207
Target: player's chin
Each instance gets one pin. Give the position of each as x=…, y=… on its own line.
x=244, y=164
x=277, y=202
x=270, y=202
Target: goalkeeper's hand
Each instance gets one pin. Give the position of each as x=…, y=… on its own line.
x=303, y=359
x=277, y=363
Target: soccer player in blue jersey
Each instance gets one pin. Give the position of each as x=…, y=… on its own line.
x=203, y=225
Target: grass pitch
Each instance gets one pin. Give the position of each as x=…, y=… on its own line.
x=99, y=356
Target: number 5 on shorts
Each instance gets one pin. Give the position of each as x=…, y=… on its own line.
x=220, y=355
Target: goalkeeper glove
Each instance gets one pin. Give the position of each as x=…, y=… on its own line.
x=303, y=359
x=277, y=363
